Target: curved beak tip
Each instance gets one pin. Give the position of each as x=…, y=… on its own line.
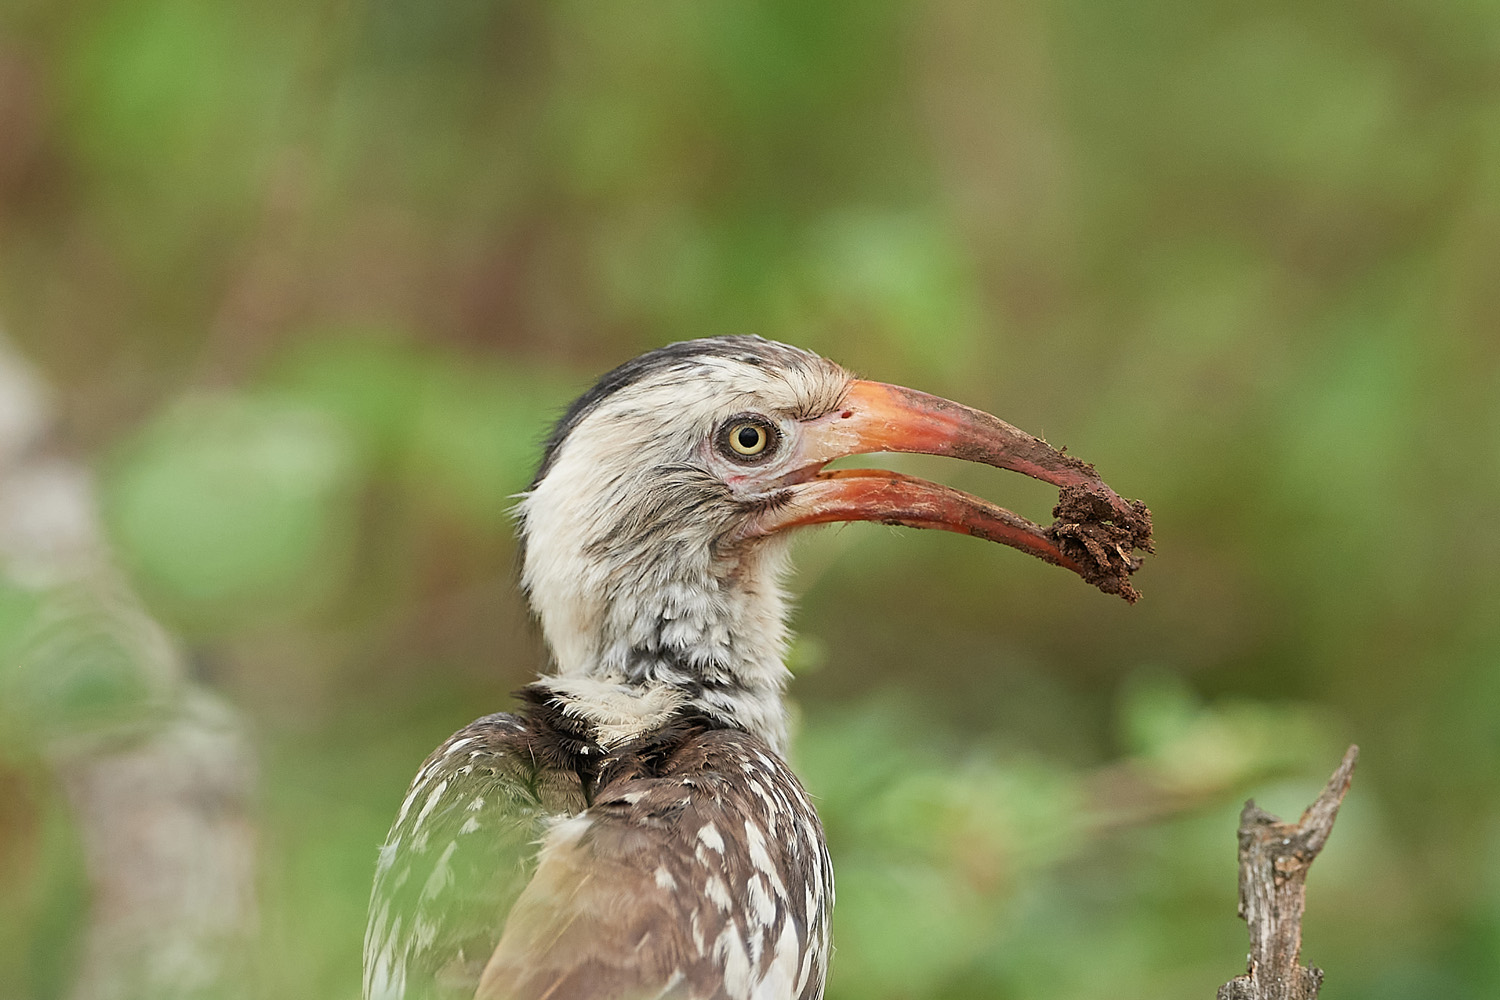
x=1096, y=534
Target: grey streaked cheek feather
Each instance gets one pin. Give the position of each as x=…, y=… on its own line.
x=634, y=586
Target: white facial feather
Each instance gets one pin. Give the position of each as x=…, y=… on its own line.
x=623, y=562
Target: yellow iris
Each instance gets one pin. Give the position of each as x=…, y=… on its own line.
x=748, y=439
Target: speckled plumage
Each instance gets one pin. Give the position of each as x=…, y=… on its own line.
x=688, y=863
x=698, y=871
x=633, y=831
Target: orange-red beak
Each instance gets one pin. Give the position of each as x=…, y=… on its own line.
x=1095, y=536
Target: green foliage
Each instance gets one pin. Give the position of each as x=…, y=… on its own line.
x=454, y=433
x=72, y=668
x=1190, y=748
x=240, y=510
x=234, y=506
x=967, y=870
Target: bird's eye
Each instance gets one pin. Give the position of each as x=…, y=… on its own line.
x=748, y=439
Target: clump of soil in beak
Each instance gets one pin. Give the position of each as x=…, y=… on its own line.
x=1091, y=531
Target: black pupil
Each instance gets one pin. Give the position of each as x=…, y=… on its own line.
x=749, y=437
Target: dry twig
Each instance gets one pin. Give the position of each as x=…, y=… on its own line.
x=1274, y=859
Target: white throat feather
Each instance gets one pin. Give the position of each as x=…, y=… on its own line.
x=646, y=607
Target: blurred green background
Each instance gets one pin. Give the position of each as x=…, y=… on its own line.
x=311, y=280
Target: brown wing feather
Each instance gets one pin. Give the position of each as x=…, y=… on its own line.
x=705, y=879
x=459, y=853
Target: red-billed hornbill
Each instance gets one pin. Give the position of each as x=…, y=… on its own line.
x=633, y=829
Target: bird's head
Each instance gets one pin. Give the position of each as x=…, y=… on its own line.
x=654, y=532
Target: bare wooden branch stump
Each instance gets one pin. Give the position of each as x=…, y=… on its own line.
x=1274, y=859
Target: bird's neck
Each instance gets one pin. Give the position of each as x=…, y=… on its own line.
x=662, y=638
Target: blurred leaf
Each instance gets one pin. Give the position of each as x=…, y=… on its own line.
x=903, y=276
x=170, y=106
x=930, y=846
x=369, y=382
x=464, y=435
x=476, y=437
x=902, y=928
x=1293, y=101
x=233, y=508
x=1192, y=747
x=73, y=666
